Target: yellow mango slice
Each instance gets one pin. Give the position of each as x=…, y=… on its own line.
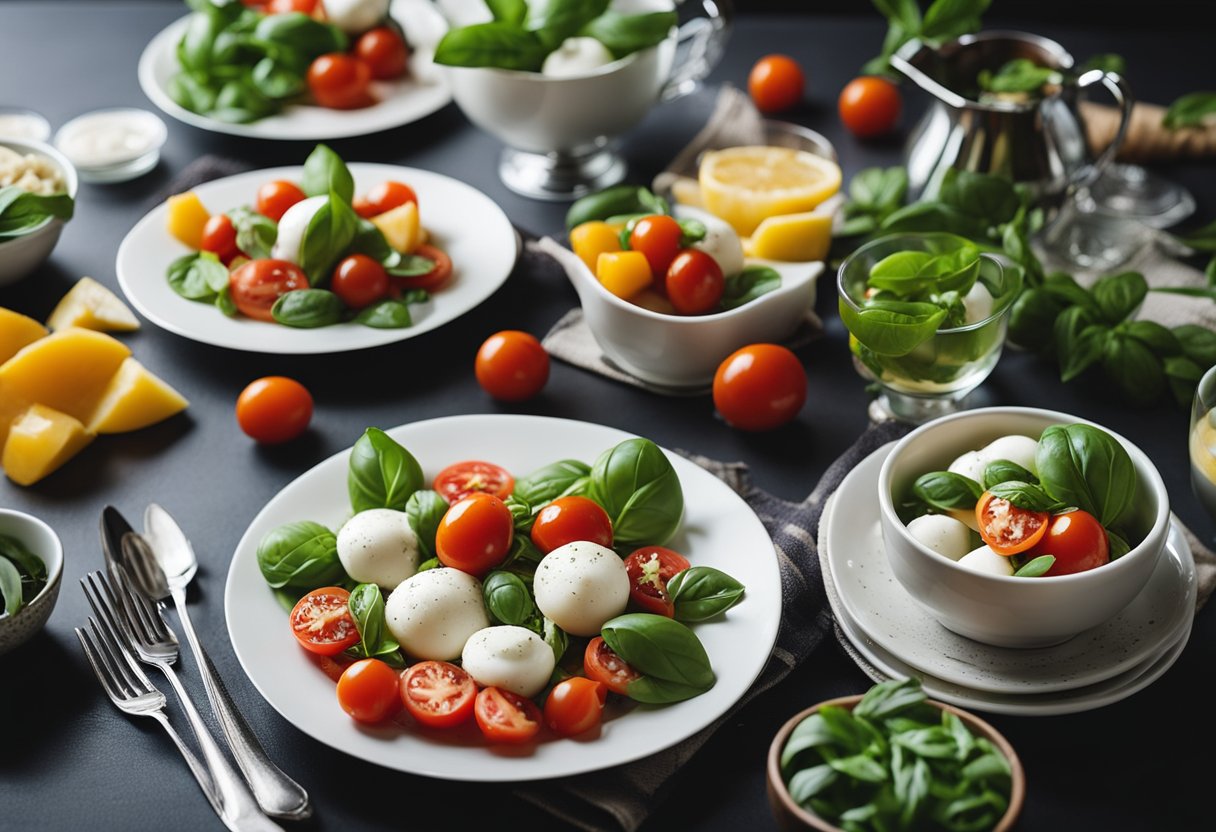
x=92, y=306
x=591, y=239
x=17, y=330
x=41, y=440
x=624, y=273
x=400, y=227
x=67, y=370
x=793, y=237
x=187, y=216
x=135, y=399
x=11, y=406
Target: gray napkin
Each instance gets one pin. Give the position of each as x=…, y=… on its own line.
x=621, y=798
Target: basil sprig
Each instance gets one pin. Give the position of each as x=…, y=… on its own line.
x=381, y=473
x=946, y=490
x=366, y=605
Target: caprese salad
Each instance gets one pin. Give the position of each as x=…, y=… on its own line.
x=1022, y=507
x=311, y=253
x=520, y=605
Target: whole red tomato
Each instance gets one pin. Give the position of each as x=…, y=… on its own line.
x=869, y=106
x=776, y=83
x=760, y=387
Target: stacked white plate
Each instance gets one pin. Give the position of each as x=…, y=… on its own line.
x=892, y=636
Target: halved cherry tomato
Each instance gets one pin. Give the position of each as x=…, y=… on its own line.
x=475, y=534
x=694, y=282
x=384, y=51
x=256, y=285
x=368, y=691
x=1077, y=540
x=359, y=281
x=219, y=238
x=433, y=279
x=506, y=717
x=776, y=83
x=512, y=366
x=461, y=479
x=568, y=519
x=602, y=664
x=1006, y=528
x=384, y=197
x=274, y=198
x=322, y=623
x=575, y=705
x=759, y=387
x=658, y=238
x=650, y=568
x=274, y=409
x=339, y=81
x=438, y=694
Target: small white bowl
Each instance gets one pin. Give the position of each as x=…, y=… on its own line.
x=995, y=609
x=43, y=543
x=21, y=255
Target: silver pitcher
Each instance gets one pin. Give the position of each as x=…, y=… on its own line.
x=1039, y=143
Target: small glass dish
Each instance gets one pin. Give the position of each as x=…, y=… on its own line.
x=23, y=123
x=1136, y=193
x=112, y=145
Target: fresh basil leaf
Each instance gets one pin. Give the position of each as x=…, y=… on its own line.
x=559, y=479
x=990, y=197
x=508, y=599
x=10, y=587
x=410, y=265
x=921, y=217
x=22, y=212
x=749, y=284
x=860, y=767
x=1036, y=567
x=301, y=33
x=890, y=698
x=691, y=231
x=946, y=490
x=195, y=276
x=615, y=201
x=892, y=328
x=1032, y=318
x=810, y=782
x=1107, y=62
x=1004, y=470
x=555, y=637
x=276, y=79
x=1134, y=369
x=301, y=555
x=1118, y=545
x=624, y=34
x=240, y=101
x=369, y=240
x=1025, y=495
x=946, y=19
x=225, y=303
x=255, y=233
x=1183, y=375
x=29, y=564
x=811, y=732
x=495, y=44
x=326, y=173
x=652, y=690
x=429, y=563
x=1119, y=295
x=511, y=12
x=1198, y=344
x=308, y=308
x=661, y=647
x=1086, y=467
x=424, y=510
x=636, y=485
x=1191, y=110
x=381, y=473
x=1018, y=75
x=1078, y=351
x=987, y=766
x=192, y=93
x=702, y=592
x=385, y=314
x=327, y=237
x=1153, y=335
x=557, y=20
x=366, y=605
x=880, y=190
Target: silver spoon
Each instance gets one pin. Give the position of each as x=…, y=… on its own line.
x=163, y=569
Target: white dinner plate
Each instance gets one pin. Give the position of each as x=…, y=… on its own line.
x=882, y=609
x=398, y=102
x=719, y=530
x=461, y=220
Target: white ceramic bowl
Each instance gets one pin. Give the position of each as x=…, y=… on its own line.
x=21, y=255
x=42, y=542
x=1007, y=611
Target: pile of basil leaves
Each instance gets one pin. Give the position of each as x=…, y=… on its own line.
x=633, y=482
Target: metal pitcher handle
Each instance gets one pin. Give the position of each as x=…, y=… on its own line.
x=1122, y=94
x=699, y=46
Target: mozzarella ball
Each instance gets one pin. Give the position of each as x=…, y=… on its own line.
x=355, y=16
x=575, y=57
x=433, y=613
x=509, y=657
x=978, y=304
x=292, y=226
x=987, y=561
x=1019, y=449
x=581, y=585
x=971, y=465
x=942, y=534
x=721, y=243
x=378, y=546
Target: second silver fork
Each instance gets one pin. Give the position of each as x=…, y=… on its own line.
x=146, y=631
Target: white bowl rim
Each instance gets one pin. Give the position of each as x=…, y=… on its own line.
x=1159, y=527
x=54, y=565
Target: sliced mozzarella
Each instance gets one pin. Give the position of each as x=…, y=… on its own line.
x=978, y=304
x=1015, y=448
x=433, y=613
x=355, y=16
x=985, y=560
x=721, y=243
x=575, y=57
x=581, y=585
x=292, y=226
x=378, y=546
x=508, y=657
x=942, y=534
x=971, y=465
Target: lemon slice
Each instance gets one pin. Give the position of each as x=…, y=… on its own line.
x=92, y=306
x=794, y=237
x=744, y=185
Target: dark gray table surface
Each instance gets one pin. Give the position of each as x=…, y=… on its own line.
x=69, y=760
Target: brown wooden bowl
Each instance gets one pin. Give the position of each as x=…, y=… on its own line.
x=793, y=818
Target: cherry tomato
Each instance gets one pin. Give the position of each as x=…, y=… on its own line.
x=575, y=705
x=359, y=281
x=461, y=479
x=759, y=387
x=274, y=409
x=322, y=623
x=512, y=366
x=506, y=717
x=650, y=568
x=658, y=238
x=384, y=197
x=340, y=82
x=438, y=694
x=274, y=198
x=368, y=691
x=568, y=519
x=219, y=238
x=602, y=664
x=1077, y=540
x=256, y=285
x=694, y=282
x=869, y=106
x=285, y=6
x=1007, y=528
x=430, y=281
x=475, y=534
x=383, y=50
x=776, y=83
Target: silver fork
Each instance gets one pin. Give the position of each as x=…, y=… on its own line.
x=155, y=643
x=130, y=690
